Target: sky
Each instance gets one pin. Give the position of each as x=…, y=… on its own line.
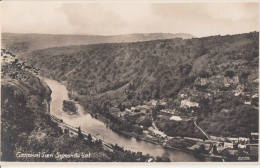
x=112, y=18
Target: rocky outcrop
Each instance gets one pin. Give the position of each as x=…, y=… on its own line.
x=23, y=104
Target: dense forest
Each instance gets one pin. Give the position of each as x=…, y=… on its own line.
x=27, y=128
x=220, y=73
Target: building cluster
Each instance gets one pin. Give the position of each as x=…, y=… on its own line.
x=241, y=148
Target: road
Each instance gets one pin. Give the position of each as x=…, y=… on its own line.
x=201, y=129
x=74, y=130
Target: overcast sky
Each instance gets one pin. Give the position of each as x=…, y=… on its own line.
x=199, y=19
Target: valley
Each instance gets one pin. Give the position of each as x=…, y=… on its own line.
x=197, y=94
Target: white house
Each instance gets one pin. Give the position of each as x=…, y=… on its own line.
x=132, y=108
x=163, y=103
x=187, y=104
x=247, y=102
x=255, y=95
x=243, y=139
x=241, y=146
x=233, y=139
x=175, y=118
x=153, y=102
x=228, y=145
x=183, y=95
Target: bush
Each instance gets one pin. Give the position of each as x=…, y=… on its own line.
x=229, y=74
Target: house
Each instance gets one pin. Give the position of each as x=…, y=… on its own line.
x=183, y=95
x=225, y=110
x=233, y=139
x=187, y=104
x=146, y=107
x=162, y=103
x=254, y=138
x=168, y=111
x=153, y=102
x=217, y=138
x=243, y=139
x=247, y=102
x=201, y=81
x=256, y=80
x=255, y=95
x=175, y=118
x=229, y=81
x=226, y=84
x=133, y=109
x=239, y=90
x=220, y=147
x=228, y=145
x=241, y=146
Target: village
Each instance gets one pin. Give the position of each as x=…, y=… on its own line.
x=211, y=147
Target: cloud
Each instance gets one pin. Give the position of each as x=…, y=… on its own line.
x=209, y=18
x=199, y=19
x=33, y=17
x=92, y=18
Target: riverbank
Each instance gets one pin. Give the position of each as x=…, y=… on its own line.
x=154, y=140
x=96, y=126
x=158, y=140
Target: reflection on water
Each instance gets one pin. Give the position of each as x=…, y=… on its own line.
x=99, y=129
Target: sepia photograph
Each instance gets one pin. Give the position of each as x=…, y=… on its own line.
x=129, y=81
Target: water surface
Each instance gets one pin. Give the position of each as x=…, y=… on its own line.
x=99, y=129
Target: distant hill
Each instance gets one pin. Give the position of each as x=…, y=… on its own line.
x=28, y=42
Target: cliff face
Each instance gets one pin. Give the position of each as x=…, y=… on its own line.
x=36, y=95
x=24, y=101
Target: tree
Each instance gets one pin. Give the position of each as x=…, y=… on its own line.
x=121, y=107
x=215, y=151
x=80, y=135
x=98, y=142
x=157, y=93
x=204, y=74
x=229, y=74
x=255, y=101
x=162, y=159
x=202, y=148
x=89, y=138
x=244, y=75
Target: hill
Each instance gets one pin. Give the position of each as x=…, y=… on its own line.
x=27, y=131
x=219, y=74
x=28, y=42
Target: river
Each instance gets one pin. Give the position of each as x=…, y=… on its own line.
x=99, y=129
